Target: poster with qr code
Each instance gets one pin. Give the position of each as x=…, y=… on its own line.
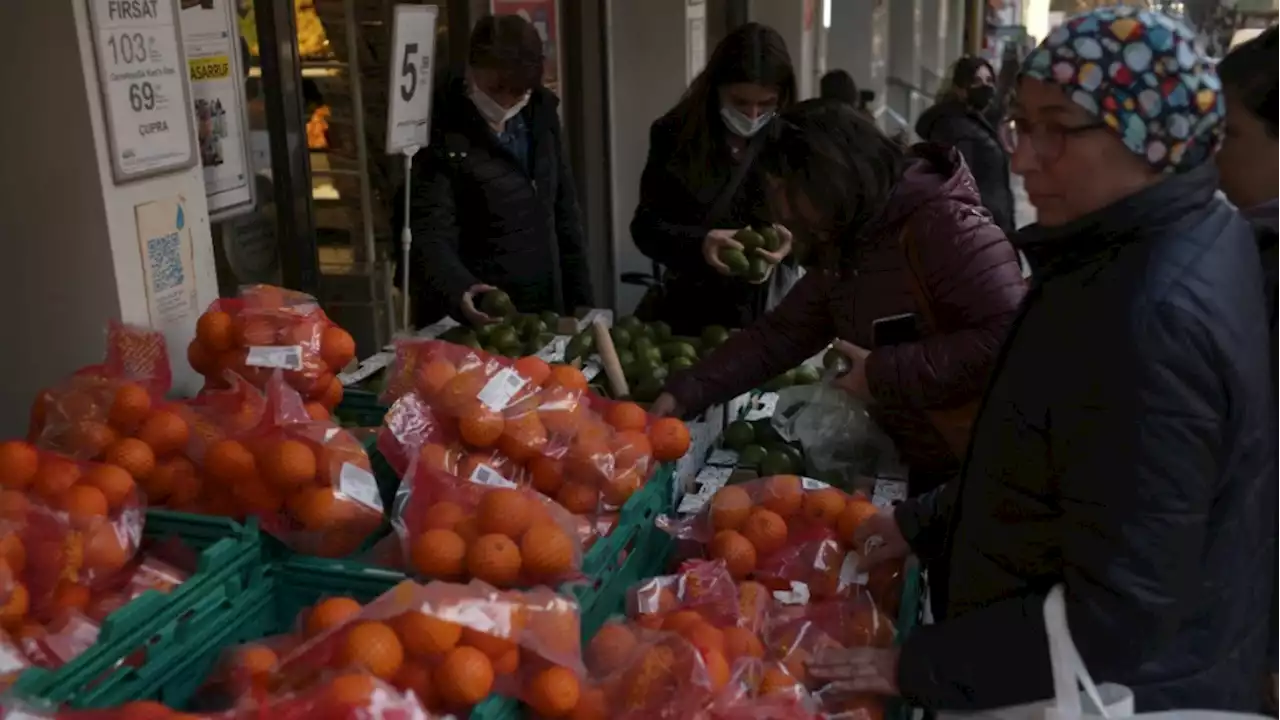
x=167, y=263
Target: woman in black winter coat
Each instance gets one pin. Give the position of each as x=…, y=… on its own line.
x=965, y=118
x=700, y=187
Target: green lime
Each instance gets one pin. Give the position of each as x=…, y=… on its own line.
x=459, y=335
x=678, y=364
x=660, y=331
x=738, y=435
x=630, y=323
x=625, y=357
x=496, y=303
x=777, y=462
x=735, y=260
x=647, y=390
x=757, y=269
x=549, y=318
x=771, y=239
x=751, y=455
x=749, y=239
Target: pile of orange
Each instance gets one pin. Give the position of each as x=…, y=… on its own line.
x=747, y=524
x=451, y=657
x=506, y=537
x=297, y=478
x=267, y=316
x=546, y=435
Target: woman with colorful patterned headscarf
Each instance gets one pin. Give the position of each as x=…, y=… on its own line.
x=1126, y=447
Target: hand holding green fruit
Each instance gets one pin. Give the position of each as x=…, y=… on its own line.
x=467, y=304
x=724, y=253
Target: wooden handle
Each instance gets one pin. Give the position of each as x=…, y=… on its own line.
x=609, y=358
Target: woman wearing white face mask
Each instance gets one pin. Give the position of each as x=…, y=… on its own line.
x=493, y=203
x=699, y=187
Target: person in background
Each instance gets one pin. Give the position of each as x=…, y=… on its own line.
x=700, y=186
x=962, y=119
x=839, y=86
x=1249, y=165
x=898, y=243
x=1126, y=446
x=493, y=205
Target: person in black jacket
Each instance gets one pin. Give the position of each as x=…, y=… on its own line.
x=1126, y=446
x=963, y=118
x=1249, y=163
x=699, y=185
x=494, y=203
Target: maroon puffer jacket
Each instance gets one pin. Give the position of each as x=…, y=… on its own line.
x=971, y=272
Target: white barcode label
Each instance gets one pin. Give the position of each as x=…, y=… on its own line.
x=888, y=492
x=554, y=351
x=711, y=479
x=359, y=484
x=485, y=475
x=591, y=368
x=283, y=357
x=797, y=595
x=809, y=483
x=367, y=367
x=763, y=406
x=497, y=393
x=692, y=503
x=723, y=457
x=849, y=573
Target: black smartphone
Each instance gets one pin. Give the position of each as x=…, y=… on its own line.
x=895, y=329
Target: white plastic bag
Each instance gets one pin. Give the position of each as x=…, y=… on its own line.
x=784, y=278
x=1107, y=701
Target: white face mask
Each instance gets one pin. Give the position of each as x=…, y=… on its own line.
x=489, y=108
x=741, y=125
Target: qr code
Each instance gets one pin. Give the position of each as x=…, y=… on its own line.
x=165, y=253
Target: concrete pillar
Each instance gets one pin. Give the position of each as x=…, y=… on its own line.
x=796, y=22
x=933, y=44
x=904, y=101
x=649, y=49
x=73, y=258
x=858, y=43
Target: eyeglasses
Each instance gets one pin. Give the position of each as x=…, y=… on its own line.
x=1048, y=140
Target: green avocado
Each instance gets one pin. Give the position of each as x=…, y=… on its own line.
x=735, y=260
x=496, y=303
x=713, y=336
x=777, y=462
x=673, y=350
x=681, y=363
x=749, y=239
x=621, y=337
x=751, y=456
x=757, y=269
x=630, y=323
x=660, y=331
x=771, y=239
x=549, y=318
x=738, y=435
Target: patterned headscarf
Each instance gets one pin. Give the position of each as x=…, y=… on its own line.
x=1142, y=74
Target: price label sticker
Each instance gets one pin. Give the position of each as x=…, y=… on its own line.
x=888, y=492
x=723, y=457
x=809, y=483
x=849, y=573
x=413, y=42
x=367, y=368
x=762, y=406
x=797, y=595
x=485, y=475
x=497, y=393
x=282, y=357
x=554, y=351
x=360, y=485
x=145, y=86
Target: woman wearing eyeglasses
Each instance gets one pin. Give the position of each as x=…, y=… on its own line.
x=907, y=273
x=1126, y=446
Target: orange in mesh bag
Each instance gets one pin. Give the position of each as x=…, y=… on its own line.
x=308, y=481
x=747, y=525
x=764, y=690
x=452, y=646
x=637, y=672
x=487, y=529
x=67, y=525
x=267, y=328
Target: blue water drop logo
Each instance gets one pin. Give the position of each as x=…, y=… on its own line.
x=181, y=220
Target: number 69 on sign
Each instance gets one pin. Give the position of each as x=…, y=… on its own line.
x=414, y=43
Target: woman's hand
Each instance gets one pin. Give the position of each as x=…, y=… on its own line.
x=713, y=243
x=468, y=305
x=777, y=256
x=854, y=381
x=857, y=670
x=666, y=406
x=881, y=538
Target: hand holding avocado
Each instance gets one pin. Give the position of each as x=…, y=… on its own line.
x=750, y=253
x=474, y=315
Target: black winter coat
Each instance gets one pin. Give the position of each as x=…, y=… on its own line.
x=479, y=216
x=1127, y=448
x=953, y=123
x=671, y=221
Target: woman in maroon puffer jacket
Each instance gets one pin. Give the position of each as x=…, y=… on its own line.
x=863, y=206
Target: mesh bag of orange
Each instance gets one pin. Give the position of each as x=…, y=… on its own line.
x=762, y=690
x=798, y=634
x=69, y=525
x=746, y=525
x=505, y=535
x=540, y=417
x=308, y=481
x=266, y=328
x=451, y=646
x=637, y=672
x=704, y=606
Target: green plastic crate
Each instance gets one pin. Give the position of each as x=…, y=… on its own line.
x=129, y=638
x=360, y=408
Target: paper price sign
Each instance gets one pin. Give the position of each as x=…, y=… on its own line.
x=414, y=48
x=144, y=86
